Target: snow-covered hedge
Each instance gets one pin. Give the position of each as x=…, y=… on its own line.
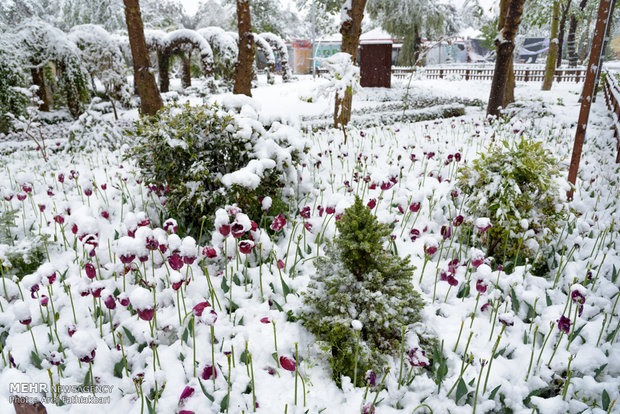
x=202, y=158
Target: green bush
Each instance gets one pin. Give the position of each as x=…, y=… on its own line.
x=359, y=280
x=13, y=99
x=514, y=185
x=204, y=157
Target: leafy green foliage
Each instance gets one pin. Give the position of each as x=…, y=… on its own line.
x=514, y=184
x=359, y=280
x=186, y=152
x=13, y=99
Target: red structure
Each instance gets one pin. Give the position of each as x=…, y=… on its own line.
x=376, y=65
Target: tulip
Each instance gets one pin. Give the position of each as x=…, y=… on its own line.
x=287, y=363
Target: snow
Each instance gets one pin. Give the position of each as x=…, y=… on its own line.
x=387, y=151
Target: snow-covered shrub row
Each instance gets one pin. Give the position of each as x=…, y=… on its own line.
x=201, y=158
x=360, y=119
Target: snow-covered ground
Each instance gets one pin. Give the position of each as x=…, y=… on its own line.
x=99, y=218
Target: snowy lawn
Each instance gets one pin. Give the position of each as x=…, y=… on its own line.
x=120, y=299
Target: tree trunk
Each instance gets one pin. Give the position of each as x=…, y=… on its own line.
x=553, y=48
x=243, y=68
x=585, y=44
x=150, y=100
x=163, y=64
x=570, y=40
x=509, y=93
x=38, y=78
x=505, y=44
x=605, y=9
x=186, y=74
x=558, y=59
x=351, y=29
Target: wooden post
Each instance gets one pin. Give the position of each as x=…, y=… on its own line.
x=604, y=12
x=527, y=76
x=467, y=74
x=440, y=73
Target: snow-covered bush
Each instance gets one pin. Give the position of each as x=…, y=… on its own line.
x=358, y=280
x=103, y=59
x=13, y=100
x=19, y=257
x=202, y=158
x=514, y=185
x=344, y=75
x=91, y=131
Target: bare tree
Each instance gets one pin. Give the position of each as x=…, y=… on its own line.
x=243, y=69
x=150, y=100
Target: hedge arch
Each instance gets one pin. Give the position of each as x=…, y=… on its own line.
x=265, y=47
x=262, y=45
x=279, y=47
x=225, y=51
x=43, y=44
x=182, y=41
x=103, y=58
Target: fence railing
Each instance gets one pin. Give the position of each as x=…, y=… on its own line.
x=612, y=99
x=522, y=74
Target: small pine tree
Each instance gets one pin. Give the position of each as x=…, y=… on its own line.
x=359, y=280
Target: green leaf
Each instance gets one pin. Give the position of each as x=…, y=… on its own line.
x=277, y=305
x=285, y=288
x=35, y=359
x=185, y=335
x=494, y=392
x=461, y=390
x=515, y=300
x=224, y=404
x=149, y=405
x=549, y=303
x=463, y=291
x=118, y=369
x=131, y=338
x=224, y=286
x=204, y=391
x=606, y=400
x=598, y=371
x=245, y=357
x=236, y=280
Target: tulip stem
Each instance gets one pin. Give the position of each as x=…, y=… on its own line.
x=529, y=368
x=213, y=356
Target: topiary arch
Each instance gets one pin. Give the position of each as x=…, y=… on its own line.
x=179, y=41
x=225, y=51
x=43, y=44
x=103, y=59
x=279, y=47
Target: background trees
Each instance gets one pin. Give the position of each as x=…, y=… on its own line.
x=413, y=19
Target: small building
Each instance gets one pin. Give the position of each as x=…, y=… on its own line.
x=375, y=59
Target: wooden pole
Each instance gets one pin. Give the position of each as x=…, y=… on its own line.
x=604, y=12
